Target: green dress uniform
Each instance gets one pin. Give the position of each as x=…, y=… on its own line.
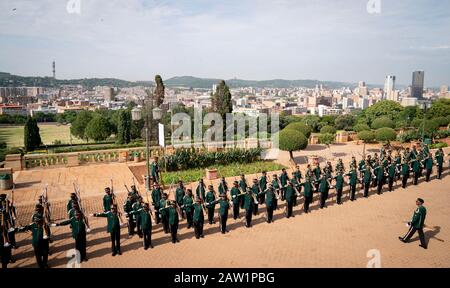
x=107, y=202
x=155, y=172
x=317, y=173
x=248, y=206
x=417, y=223
x=235, y=200
x=137, y=206
x=128, y=208
x=39, y=243
x=255, y=191
x=440, y=163
x=367, y=178
x=270, y=198
x=243, y=185
x=392, y=170
x=339, y=185
x=429, y=168
x=290, y=199
x=263, y=186
x=200, y=192
x=211, y=206
x=223, y=188
x=145, y=225
x=284, y=182
x=307, y=193
x=179, y=194
x=69, y=205
x=224, y=205
x=380, y=179
x=198, y=219
x=187, y=207
x=113, y=227
x=156, y=199
x=352, y=181
x=416, y=170
x=173, y=222
x=276, y=187
x=164, y=215
x=297, y=175
x=324, y=188
x=405, y=174
x=78, y=227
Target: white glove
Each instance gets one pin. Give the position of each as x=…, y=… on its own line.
x=88, y=230
x=53, y=225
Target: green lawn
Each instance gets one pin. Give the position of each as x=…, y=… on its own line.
x=13, y=135
x=234, y=169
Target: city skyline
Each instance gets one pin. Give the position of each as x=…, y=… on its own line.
x=327, y=41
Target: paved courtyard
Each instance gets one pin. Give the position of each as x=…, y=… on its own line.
x=338, y=236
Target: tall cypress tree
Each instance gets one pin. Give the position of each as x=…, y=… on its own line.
x=159, y=93
x=124, y=127
x=221, y=99
x=31, y=136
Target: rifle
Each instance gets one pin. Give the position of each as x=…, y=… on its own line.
x=77, y=191
x=3, y=222
x=113, y=196
x=46, y=214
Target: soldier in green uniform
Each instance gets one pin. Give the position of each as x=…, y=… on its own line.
x=156, y=201
x=113, y=228
x=223, y=186
x=210, y=198
x=187, y=207
x=137, y=206
x=224, y=205
x=243, y=186
x=416, y=168
x=276, y=187
x=317, y=173
x=200, y=192
x=380, y=177
x=398, y=164
x=324, y=187
x=173, y=220
x=405, y=170
x=284, y=179
x=297, y=178
x=417, y=223
x=39, y=243
x=78, y=226
x=107, y=200
x=290, y=198
x=376, y=168
x=307, y=192
x=235, y=197
x=339, y=185
x=73, y=199
x=392, y=170
x=163, y=204
x=248, y=206
x=179, y=195
x=270, y=196
x=155, y=170
x=428, y=166
x=439, y=156
x=340, y=166
x=128, y=208
x=367, y=178
x=145, y=224
x=263, y=186
x=353, y=179
x=198, y=218
x=255, y=192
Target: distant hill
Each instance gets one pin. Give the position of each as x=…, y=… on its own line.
x=194, y=82
x=7, y=79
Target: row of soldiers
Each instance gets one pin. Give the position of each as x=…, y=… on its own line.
x=370, y=172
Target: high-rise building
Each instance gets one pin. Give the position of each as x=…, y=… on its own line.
x=444, y=91
x=54, y=69
x=418, y=78
x=389, y=87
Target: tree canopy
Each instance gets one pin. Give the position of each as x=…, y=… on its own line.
x=390, y=109
x=221, y=100
x=159, y=92
x=78, y=126
x=301, y=127
x=385, y=134
x=383, y=121
x=32, y=138
x=98, y=129
x=292, y=140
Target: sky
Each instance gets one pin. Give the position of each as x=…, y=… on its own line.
x=329, y=40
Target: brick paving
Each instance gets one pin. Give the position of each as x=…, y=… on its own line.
x=338, y=236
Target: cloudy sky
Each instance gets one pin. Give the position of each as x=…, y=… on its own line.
x=248, y=39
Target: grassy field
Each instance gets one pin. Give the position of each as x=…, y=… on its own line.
x=13, y=135
x=234, y=169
